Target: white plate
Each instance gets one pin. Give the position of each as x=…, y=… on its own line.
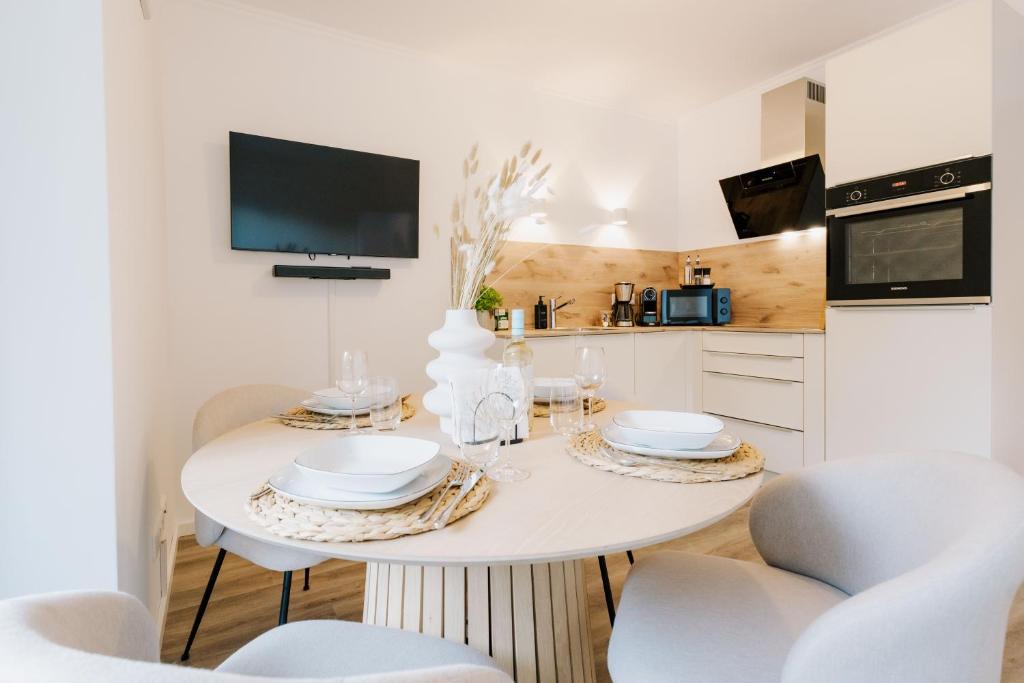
x=542, y=387
x=723, y=446
x=668, y=429
x=368, y=463
x=293, y=483
x=337, y=399
x=314, y=406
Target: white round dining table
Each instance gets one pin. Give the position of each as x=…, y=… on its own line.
x=507, y=579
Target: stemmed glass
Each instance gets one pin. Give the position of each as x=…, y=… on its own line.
x=474, y=429
x=508, y=398
x=352, y=380
x=589, y=372
x=565, y=408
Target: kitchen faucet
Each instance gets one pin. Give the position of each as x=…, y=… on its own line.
x=552, y=308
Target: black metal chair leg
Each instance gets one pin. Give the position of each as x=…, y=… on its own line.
x=286, y=590
x=629, y=554
x=305, y=584
x=607, y=589
x=204, y=602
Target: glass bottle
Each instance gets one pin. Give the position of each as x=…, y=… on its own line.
x=518, y=353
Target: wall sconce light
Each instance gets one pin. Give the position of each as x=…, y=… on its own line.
x=619, y=217
x=539, y=210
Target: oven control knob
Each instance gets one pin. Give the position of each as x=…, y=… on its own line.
x=946, y=178
x=856, y=196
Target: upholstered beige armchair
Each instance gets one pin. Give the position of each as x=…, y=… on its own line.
x=887, y=568
x=109, y=637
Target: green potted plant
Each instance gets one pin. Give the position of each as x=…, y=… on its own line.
x=486, y=302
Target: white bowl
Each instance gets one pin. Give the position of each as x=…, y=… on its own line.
x=668, y=429
x=339, y=400
x=542, y=387
x=368, y=463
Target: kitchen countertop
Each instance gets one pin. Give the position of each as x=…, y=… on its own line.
x=571, y=331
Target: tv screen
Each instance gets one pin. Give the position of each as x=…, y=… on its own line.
x=297, y=197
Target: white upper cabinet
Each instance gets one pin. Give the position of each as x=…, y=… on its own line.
x=919, y=95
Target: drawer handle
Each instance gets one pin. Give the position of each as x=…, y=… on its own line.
x=766, y=379
x=757, y=355
x=759, y=424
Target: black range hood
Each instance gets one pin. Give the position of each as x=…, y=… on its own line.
x=776, y=199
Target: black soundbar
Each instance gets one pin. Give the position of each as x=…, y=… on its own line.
x=333, y=273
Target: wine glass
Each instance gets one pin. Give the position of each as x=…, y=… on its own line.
x=508, y=398
x=565, y=407
x=474, y=429
x=385, y=404
x=352, y=380
x=589, y=371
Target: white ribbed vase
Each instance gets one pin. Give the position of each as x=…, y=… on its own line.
x=462, y=344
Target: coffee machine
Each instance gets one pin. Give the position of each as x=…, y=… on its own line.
x=648, y=307
x=622, y=308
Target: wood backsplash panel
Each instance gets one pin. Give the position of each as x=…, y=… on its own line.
x=585, y=273
x=775, y=283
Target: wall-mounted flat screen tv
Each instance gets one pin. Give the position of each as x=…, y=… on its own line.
x=297, y=197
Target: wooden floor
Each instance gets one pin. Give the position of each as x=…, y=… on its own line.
x=245, y=601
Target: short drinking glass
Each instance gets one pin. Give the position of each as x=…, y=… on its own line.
x=565, y=407
x=385, y=404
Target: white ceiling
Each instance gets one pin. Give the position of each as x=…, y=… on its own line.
x=656, y=57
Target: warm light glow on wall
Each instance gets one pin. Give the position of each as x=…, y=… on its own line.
x=620, y=217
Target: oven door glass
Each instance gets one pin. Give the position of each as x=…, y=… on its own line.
x=939, y=250
x=915, y=247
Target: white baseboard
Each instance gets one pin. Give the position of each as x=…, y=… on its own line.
x=187, y=528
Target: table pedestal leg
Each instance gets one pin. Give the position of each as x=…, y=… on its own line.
x=531, y=618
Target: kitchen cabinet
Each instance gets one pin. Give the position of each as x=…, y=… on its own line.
x=909, y=378
x=769, y=389
x=667, y=365
x=619, y=353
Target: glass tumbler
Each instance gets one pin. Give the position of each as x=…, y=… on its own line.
x=385, y=404
x=565, y=407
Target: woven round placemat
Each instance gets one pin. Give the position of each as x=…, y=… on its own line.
x=311, y=420
x=284, y=516
x=589, y=447
x=543, y=410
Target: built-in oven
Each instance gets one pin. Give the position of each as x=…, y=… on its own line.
x=922, y=236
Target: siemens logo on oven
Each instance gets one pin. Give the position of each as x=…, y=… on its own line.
x=901, y=288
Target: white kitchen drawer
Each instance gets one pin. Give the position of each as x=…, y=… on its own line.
x=783, y=449
x=755, y=365
x=764, y=343
x=771, y=401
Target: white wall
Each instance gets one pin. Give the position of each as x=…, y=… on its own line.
x=57, y=530
x=138, y=272
x=917, y=96
x=1008, y=232
x=232, y=69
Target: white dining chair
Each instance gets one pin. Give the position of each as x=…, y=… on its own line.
x=229, y=410
x=882, y=568
x=110, y=637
